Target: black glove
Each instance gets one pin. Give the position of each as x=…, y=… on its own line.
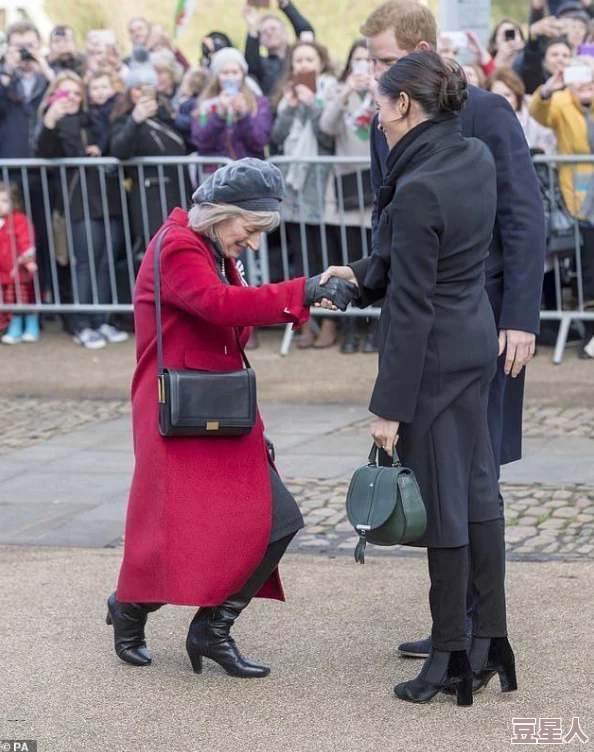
x=336, y=290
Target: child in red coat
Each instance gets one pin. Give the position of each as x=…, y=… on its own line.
x=17, y=268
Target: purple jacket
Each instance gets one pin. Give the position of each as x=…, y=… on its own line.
x=245, y=138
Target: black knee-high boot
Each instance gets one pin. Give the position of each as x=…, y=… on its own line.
x=129, y=621
x=209, y=633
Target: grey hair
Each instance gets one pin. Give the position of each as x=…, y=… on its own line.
x=204, y=218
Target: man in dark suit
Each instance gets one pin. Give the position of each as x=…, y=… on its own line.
x=515, y=266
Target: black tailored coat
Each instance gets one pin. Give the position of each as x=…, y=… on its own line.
x=515, y=265
x=162, y=188
x=437, y=338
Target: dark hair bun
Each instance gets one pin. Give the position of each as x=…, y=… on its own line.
x=453, y=91
x=140, y=54
x=438, y=87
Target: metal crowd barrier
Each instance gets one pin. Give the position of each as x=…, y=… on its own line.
x=120, y=205
x=569, y=260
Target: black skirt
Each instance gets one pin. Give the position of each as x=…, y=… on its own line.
x=286, y=515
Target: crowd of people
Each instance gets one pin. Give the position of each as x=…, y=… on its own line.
x=277, y=95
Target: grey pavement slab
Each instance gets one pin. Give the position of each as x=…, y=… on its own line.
x=331, y=647
x=92, y=467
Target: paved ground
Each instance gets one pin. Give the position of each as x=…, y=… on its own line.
x=71, y=488
x=56, y=367
x=331, y=647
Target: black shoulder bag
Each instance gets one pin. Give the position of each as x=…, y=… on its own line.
x=202, y=403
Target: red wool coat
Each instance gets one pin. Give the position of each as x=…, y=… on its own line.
x=200, y=509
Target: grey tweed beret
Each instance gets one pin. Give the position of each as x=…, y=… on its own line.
x=251, y=184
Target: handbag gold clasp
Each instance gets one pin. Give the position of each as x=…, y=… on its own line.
x=161, y=388
x=212, y=425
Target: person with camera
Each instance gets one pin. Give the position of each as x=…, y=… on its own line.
x=270, y=32
x=208, y=516
x=347, y=117
x=24, y=78
x=568, y=108
x=142, y=125
x=63, y=52
x=65, y=132
x=230, y=121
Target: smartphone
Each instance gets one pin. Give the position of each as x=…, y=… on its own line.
x=308, y=79
x=57, y=95
x=457, y=39
x=259, y=3
x=149, y=91
x=360, y=67
x=231, y=86
x=509, y=35
x=586, y=49
x=577, y=74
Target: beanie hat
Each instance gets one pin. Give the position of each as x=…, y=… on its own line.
x=142, y=71
x=225, y=56
x=251, y=184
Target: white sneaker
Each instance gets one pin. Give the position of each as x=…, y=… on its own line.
x=90, y=339
x=112, y=334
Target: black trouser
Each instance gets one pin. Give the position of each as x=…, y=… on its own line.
x=483, y=559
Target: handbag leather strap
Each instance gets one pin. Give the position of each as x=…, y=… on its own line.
x=157, y=282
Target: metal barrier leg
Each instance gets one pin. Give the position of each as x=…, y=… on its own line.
x=564, y=325
x=287, y=339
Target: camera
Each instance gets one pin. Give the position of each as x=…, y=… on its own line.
x=26, y=55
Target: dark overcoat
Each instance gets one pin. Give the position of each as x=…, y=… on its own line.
x=200, y=509
x=515, y=265
x=438, y=340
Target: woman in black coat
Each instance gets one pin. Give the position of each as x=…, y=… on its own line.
x=143, y=126
x=438, y=354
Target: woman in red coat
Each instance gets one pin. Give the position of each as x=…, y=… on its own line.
x=208, y=518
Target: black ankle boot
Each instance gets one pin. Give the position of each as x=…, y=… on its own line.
x=442, y=670
x=209, y=635
x=490, y=656
x=129, y=620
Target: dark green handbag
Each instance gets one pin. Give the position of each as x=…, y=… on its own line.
x=384, y=505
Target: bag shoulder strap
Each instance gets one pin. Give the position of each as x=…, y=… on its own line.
x=157, y=283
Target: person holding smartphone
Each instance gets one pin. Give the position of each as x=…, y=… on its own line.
x=347, y=116
x=230, y=120
x=565, y=103
x=300, y=98
x=506, y=42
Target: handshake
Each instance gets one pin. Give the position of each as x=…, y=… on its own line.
x=332, y=290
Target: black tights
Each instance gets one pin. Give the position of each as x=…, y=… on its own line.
x=449, y=574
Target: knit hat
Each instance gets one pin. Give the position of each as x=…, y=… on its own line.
x=251, y=184
x=225, y=56
x=142, y=71
x=572, y=9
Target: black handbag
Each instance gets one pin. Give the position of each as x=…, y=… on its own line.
x=384, y=505
x=202, y=403
x=347, y=188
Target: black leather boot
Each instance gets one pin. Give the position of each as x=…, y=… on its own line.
x=129, y=620
x=442, y=670
x=490, y=656
x=209, y=634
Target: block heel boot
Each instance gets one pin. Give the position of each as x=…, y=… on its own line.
x=209, y=634
x=129, y=621
x=442, y=671
x=490, y=656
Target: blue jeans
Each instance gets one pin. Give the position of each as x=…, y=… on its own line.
x=92, y=267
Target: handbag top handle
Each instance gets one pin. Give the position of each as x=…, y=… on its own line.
x=373, y=457
x=157, y=282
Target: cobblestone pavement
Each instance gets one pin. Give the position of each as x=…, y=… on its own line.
x=27, y=420
x=542, y=521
